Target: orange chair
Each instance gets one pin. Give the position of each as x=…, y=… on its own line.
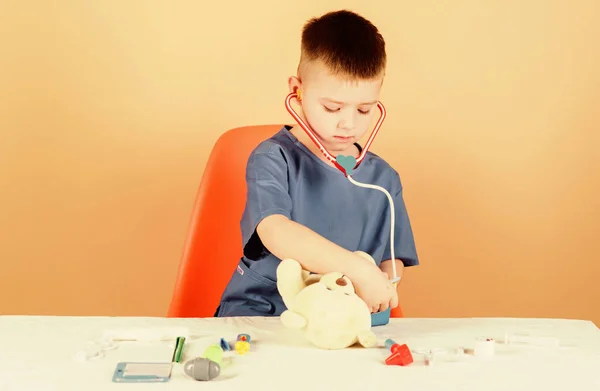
x=213, y=246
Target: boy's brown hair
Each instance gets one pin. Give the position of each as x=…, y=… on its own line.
x=348, y=44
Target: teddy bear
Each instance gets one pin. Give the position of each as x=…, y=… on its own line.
x=326, y=307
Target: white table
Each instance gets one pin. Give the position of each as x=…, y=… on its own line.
x=37, y=353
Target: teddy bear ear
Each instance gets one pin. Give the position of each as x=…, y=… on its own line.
x=289, y=280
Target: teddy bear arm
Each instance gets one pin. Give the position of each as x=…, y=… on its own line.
x=367, y=338
x=293, y=320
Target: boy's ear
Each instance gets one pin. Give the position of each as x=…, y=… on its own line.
x=295, y=85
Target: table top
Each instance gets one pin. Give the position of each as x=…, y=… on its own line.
x=39, y=353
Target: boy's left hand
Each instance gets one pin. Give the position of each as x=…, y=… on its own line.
x=394, y=302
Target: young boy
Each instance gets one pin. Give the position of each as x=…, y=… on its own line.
x=298, y=204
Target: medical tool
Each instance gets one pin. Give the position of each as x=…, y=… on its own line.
x=346, y=164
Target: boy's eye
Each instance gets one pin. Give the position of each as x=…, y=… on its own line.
x=333, y=110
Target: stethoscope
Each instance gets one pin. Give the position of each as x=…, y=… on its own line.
x=346, y=164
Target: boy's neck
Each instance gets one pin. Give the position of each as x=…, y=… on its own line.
x=302, y=137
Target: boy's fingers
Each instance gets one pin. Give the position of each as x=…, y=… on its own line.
x=394, y=303
x=384, y=306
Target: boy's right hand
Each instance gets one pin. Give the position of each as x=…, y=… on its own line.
x=374, y=287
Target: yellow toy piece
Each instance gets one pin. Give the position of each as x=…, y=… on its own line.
x=242, y=347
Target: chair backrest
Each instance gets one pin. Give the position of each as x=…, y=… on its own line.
x=213, y=245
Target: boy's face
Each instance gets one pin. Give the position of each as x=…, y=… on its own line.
x=339, y=111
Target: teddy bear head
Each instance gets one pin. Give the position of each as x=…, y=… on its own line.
x=337, y=282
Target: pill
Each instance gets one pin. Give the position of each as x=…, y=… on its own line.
x=202, y=369
x=214, y=353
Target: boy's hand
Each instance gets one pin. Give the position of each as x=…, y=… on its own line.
x=395, y=301
x=374, y=287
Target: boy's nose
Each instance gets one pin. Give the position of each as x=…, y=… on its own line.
x=348, y=120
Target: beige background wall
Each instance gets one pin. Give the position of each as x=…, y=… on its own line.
x=108, y=111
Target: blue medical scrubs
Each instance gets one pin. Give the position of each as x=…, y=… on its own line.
x=284, y=177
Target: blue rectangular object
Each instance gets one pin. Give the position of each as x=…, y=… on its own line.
x=380, y=318
x=142, y=372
